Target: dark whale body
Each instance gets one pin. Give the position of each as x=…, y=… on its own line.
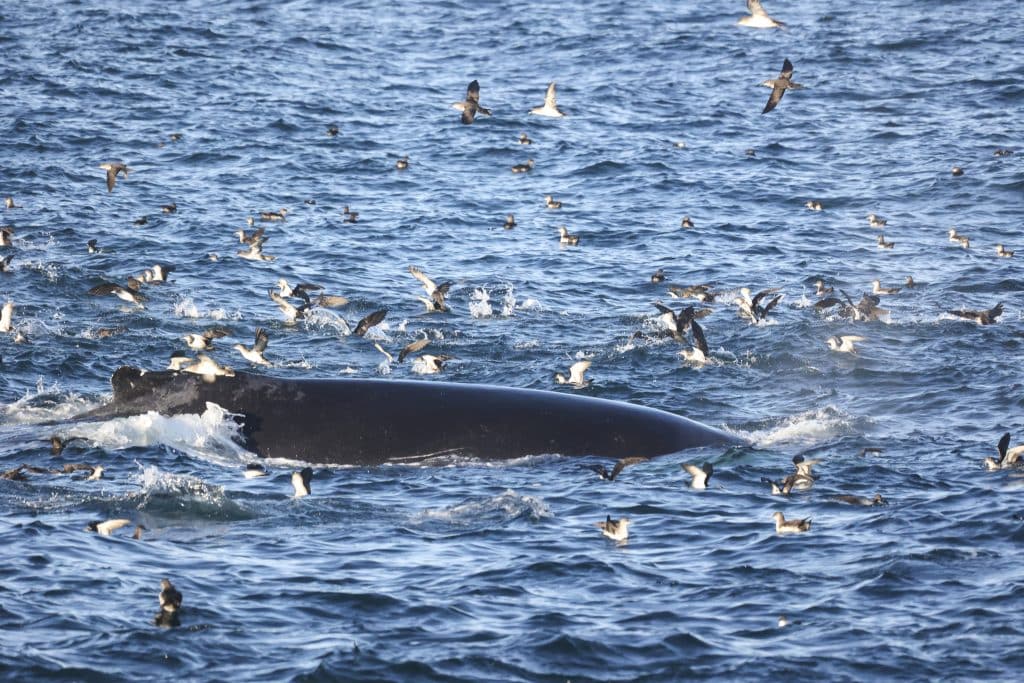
x=374, y=421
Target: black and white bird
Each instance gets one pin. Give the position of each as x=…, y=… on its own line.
x=988, y=317
x=255, y=354
x=576, y=372
x=435, y=292
x=1008, y=457
x=302, y=482
x=700, y=475
x=615, y=529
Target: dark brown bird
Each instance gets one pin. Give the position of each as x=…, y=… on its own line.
x=470, y=107
x=779, y=86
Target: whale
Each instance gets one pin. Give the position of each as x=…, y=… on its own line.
x=367, y=422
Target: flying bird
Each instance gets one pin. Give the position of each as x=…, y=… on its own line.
x=550, y=106
x=758, y=17
x=470, y=107
x=779, y=86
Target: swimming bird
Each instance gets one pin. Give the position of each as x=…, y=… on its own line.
x=437, y=293
x=6, y=317
x=58, y=443
x=9, y=203
x=781, y=488
x=813, y=205
x=1001, y=152
x=909, y=282
x=861, y=500
x=93, y=247
x=957, y=171
x=794, y=526
x=5, y=263
x=372, y=320
x=803, y=468
x=981, y=317
x=1008, y=457
x=779, y=86
x=843, y=343
x=701, y=293
x=158, y=273
x=698, y=352
x=524, y=139
x=470, y=107
x=882, y=244
x=758, y=17
x=428, y=364
x=170, y=604
x=179, y=359
x=510, y=222
x=523, y=168
x=413, y=347
x=332, y=131
x=1005, y=253
x=402, y=163
x=564, y=237
x=350, y=215
x=131, y=293
x=255, y=237
x=113, y=168
x=615, y=529
x=700, y=475
x=687, y=222
x=273, y=215
x=96, y=474
x=870, y=450
x=658, y=277
x=551, y=203
x=820, y=289
x=5, y=236
x=255, y=253
x=877, y=288
x=254, y=470
x=169, y=208
x=142, y=220
x=876, y=221
x=576, y=372
x=619, y=466
x=204, y=341
x=302, y=482
x=208, y=368
x=291, y=312
x=963, y=240
x=550, y=106
x=106, y=527
x=255, y=354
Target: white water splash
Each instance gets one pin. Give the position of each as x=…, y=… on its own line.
x=813, y=426
x=480, y=304
x=507, y=505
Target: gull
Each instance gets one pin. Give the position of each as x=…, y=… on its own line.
x=701, y=475
x=208, y=368
x=373, y=319
x=861, y=500
x=437, y=293
x=550, y=106
x=291, y=312
x=106, y=527
x=130, y=293
x=876, y=221
x=882, y=244
x=566, y=238
x=302, y=482
x=204, y=341
x=758, y=17
x=1008, y=457
x=551, y=202
x=6, y=315
x=779, y=86
x=843, y=343
x=619, y=466
x=1005, y=253
x=981, y=317
x=962, y=240
x=273, y=215
x=470, y=107
x=170, y=604
x=510, y=222
x=402, y=163
x=698, y=352
x=576, y=378
x=430, y=365
x=113, y=168
x=813, y=205
x=255, y=354
x=877, y=288
x=413, y=347
x=523, y=168
x=794, y=526
x=524, y=139
x=615, y=529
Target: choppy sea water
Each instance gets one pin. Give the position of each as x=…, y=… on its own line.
x=495, y=571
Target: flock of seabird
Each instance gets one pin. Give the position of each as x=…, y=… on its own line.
x=296, y=301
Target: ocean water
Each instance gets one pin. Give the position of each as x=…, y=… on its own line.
x=478, y=570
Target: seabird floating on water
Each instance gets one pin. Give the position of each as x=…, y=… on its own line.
x=302, y=482
x=981, y=317
x=779, y=86
x=877, y=288
x=615, y=529
x=131, y=293
x=576, y=372
x=402, y=163
x=550, y=106
x=957, y=171
x=882, y=244
x=820, y=289
x=701, y=293
x=843, y=343
x=1005, y=253
x=5, y=263
x=566, y=238
x=169, y=208
x=963, y=240
x=551, y=203
x=273, y=215
x=524, y=139
x=428, y=364
x=106, y=527
x=470, y=107
x=5, y=236
x=658, y=277
x=332, y=131
x=793, y=526
x=1008, y=457
x=510, y=222
x=255, y=354
x=113, y=168
x=686, y=222
x=170, y=604
x=350, y=216
x=9, y=203
x=861, y=500
x=6, y=317
x=254, y=470
x=758, y=17
x=876, y=221
x=523, y=168
x=93, y=247
x=701, y=475
x=813, y=205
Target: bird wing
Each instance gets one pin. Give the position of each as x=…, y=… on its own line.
x=103, y=289
x=624, y=463
x=755, y=9
x=427, y=283
x=369, y=321
x=1003, y=444
x=413, y=347
x=773, y=99
x=698, y=337
x=262, y=339
x=576, y=371
x=787, y=69
x=473, y=92
x=995, y=312
x=549, y=97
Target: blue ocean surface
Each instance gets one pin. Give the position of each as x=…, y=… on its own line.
x=494, y=570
